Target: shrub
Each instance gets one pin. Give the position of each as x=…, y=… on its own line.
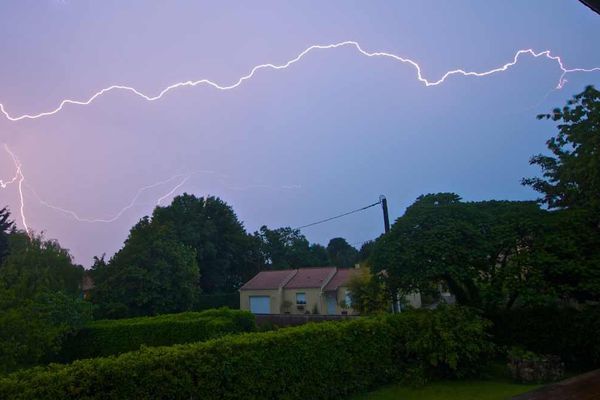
x=108, y=337
x=567, y=332
x=450, y=342
x=329, y=360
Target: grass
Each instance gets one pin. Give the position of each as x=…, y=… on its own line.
x=496, y=386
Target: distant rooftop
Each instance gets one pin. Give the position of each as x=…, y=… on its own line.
x=301, y=278
x=269, y=279
x=340, y=278
x=310, y=278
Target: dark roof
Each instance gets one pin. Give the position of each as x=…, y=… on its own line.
x=310, y=278
x=269, y=279
x=340, y=278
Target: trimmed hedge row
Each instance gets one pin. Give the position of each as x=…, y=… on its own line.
x=108, y=337
x=572, y=334
x=329, y=360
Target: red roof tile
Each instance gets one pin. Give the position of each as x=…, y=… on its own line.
x=269, y=279
x=310, y=278
x=340, y=278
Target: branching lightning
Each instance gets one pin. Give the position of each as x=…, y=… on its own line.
x=427, y=82
x=118, y=215
x=19, y=178
x=182, y=178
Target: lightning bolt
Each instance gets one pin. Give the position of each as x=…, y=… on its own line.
x=118, y=215
x=19, y=178
x=420, y=77
x=184, y=178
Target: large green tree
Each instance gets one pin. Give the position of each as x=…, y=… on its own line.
x=226, y=255
x=36, y=265
x=6, y=226
x=152, y=274
x=571, y=173
x=341, y=253
x=489, y=254
x=40, y=300
x=287, y=248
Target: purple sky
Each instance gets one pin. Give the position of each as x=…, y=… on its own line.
x=329, y=134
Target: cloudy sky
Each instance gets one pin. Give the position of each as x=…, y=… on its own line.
x=328, y=134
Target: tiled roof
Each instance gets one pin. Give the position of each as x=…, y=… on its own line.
x=269, y=279
x=310, y=278
x=340, y=278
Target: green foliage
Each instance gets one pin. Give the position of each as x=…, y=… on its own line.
x=152, y=274
x=33, y=330
x=341, y=253
x=226, y=255
x=36, y=265
x=108, y=337
x=567, y=332
x=570, y=174
x=39, y=308
x=287, y=248
x=491, y=254
x=449, y=342
x=316, y=361
x=368, y=293
x=6, y=226
x=218, y=300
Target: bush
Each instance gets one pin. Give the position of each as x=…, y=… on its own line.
x=450, y=342
x=329, y=360
x=108, y=337
x=567, y=332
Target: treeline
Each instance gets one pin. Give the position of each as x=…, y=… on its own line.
x=198, y=246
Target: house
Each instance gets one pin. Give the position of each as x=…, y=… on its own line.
x=303, y=291
x=299, y=291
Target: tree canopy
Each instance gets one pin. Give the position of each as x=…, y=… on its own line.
x=571, y=174
x=287, y=248
x=152, y=274
x=490, y=254
x=39, y=297
x=341, y=253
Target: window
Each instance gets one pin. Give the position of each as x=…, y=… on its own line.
x=348, y=298
x=300, y=298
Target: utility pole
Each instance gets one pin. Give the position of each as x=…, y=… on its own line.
x=386, y=218
x=386, y=224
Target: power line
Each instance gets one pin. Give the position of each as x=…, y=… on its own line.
x=339, y=216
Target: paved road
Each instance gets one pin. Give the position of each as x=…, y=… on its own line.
x=581, y=387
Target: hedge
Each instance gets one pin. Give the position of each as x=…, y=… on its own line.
x=108, y=337
x=573, y=334
x=329, y=360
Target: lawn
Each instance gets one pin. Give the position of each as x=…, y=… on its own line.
x=493, y=389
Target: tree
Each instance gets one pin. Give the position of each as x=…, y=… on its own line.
x=39, y=300
x=366, y=250
x=490, y=254
x=226, y=255
x=570, y=176
x=152, y=274
x=6, y=226
x=287, y=248
x=36, y=265
x=341, y=253
x=368, y=292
